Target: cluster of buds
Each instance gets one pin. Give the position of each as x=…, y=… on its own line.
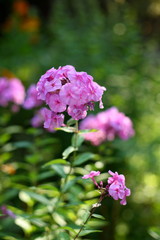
x=115, y=188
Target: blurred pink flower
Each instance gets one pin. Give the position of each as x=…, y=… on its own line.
x=38, y=119
x=17, y=90
x=91, y=174
x=31, y=100
x=11, y=91
x=109, y=124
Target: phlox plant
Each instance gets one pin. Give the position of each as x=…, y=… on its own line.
x=62, y=202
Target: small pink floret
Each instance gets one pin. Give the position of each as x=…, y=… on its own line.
x=116, y=187
x=91, y=174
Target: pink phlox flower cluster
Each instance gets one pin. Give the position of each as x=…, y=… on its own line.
x=65, y=89
x=31, y=99
x=115, y=188
x=11, y=90
x=109, y=123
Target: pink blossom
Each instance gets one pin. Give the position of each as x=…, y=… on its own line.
x=52, y=86
x=116, y=187
x=116, y=178
x=110, y=124
x=38, y=118
x=52, y=120
x=55, y=103
x=42, y=83
x=31, y=100
x=91, y=174
x=17, y=90
x=66, y=89
x=11, y=90
x=77, y=112
x=5, y=94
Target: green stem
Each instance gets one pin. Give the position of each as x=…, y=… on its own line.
x=89, y=216
x=71, y=167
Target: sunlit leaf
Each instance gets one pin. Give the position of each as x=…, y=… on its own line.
x=85, y=232
x=68, y=228
x=83, y=158
x=59, y=169
x=55, y=161
x=67, y=129
x=63, y=236
x=38, y=197
x=98, y=216
x=68, y=151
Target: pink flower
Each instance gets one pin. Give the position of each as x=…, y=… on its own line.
x=77, y=112
x=91, y=174
x=17, y=90
x=116, y=178
x=38, y=118
x=43, y=83
x=116, y=187
x=5, y=94
x=11, y=90
x=52, y=120
x=52, y=86
x=65, y=88
x=110, y=123
x=55, y=103
x=31, y=100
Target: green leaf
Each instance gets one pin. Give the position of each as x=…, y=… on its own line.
x=63, y=236
x=85, y=232
x=38, y=222
x=154, y=232
x=68, y=228
x=98, y=216
x=23, y=144
x=55, y=161
x=38, y=197
x=68, y=151
x=71, y=121
x=69, y=184
x=77, y=140
x=59, y=169
x=87, y=130
x=83, y=158
x=67, y=129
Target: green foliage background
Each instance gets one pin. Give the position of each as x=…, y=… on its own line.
x=112, y=49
